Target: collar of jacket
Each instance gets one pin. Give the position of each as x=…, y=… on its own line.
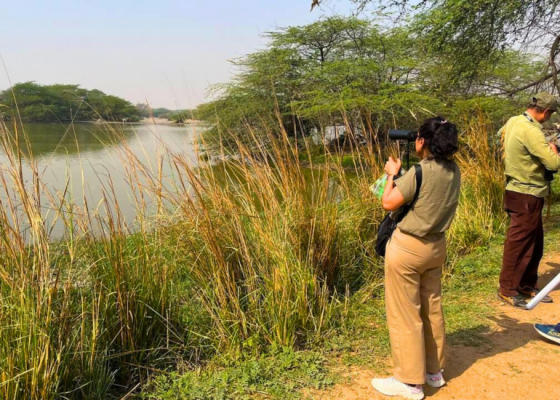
x=532, y=120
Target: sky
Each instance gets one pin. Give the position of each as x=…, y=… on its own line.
x=165, y=52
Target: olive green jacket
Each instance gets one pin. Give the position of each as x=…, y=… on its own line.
x=527, y=156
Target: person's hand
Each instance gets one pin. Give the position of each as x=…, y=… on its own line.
x=392, y=167
x=553, y=147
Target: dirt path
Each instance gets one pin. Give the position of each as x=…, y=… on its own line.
x=516, y=363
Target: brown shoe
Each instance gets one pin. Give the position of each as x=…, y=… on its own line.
x=529, y=293
x=515, y=301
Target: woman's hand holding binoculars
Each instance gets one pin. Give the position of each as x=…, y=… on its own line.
x=393, y=167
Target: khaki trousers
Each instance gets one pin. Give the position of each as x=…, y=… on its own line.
x=413, y=268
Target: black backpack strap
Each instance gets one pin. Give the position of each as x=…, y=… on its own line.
x=406, y=208
x=418, y=174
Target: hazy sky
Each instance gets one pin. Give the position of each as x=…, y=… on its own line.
x=166, y=51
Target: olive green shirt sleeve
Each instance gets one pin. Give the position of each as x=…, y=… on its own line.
x=536, y=145
x=499, y=137
x=407, y=185
x=500, y=133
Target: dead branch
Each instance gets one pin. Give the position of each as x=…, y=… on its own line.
x=530, y=85
x=553, y=53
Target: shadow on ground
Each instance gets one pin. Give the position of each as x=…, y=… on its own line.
x=506, y=335
x=550, y=274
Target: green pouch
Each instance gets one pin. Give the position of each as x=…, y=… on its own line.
x=379, y=186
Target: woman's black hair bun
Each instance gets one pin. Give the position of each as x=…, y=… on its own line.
x=441, y=136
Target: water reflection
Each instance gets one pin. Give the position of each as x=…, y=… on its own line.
x=70, y=139
x=86, y=162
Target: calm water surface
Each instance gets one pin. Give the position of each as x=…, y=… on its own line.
x=85, y=162
x=84, y=156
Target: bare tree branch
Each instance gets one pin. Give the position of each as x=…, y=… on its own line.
x=553, y=53
x=530, y=85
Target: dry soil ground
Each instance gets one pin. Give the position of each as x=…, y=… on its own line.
x=515, y=363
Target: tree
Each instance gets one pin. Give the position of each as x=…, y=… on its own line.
x=352, y=73
x=37, y=103
x=314, y=76
x=475, y=33
x=147, y=112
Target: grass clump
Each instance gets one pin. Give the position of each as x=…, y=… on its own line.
x=280, y=374
x=480, y=215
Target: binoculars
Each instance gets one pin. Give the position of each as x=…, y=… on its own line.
x=399, y=134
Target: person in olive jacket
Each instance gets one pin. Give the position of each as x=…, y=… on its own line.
x=528, y=157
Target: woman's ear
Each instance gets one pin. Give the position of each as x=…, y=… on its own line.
x=420, y=146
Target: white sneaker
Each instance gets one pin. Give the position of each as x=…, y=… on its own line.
x=392, y=387
x=435, y=380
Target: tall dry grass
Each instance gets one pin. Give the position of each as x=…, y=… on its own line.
x=92, y=311
x=238, y=256
x=480, y=214
x=271, y=241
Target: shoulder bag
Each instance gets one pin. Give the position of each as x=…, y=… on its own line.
x=389, y=223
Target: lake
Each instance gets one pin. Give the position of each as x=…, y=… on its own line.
x=85, y=163
x=80, y=158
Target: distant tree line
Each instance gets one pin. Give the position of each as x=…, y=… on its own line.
x=178, y=116
x=33, y=102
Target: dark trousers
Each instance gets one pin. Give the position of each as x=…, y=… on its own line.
x=524, y=244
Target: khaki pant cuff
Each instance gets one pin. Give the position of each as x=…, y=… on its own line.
x=409, y=381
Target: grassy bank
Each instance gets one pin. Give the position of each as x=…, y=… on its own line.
x=251, y=280
x=362, y=341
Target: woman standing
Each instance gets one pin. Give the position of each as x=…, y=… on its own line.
x=414, y=259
